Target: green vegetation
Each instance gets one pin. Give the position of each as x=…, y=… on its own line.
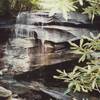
x=86, y=78
x=93, y=8
x=14, y=6
x=90, y=7
x=24, y=5
x=4, y=7
x=58, y=6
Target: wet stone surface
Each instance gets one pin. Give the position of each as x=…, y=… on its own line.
x=28, y=61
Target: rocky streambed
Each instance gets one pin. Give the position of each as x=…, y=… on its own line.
x=37, y=83
x=26, y=69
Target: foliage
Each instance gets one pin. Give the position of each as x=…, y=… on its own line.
x=85, y=78
x=15, y=6
x=58, y=6
x=4, y=6
x=88, y=49
x=23, y=5
x=93, y=8
x=90, y=7
x=65, y=6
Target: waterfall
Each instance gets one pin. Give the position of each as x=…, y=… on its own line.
x=53, y=28
x=20, y=54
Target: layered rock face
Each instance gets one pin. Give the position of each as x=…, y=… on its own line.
x=54, y=28
x=24, y=50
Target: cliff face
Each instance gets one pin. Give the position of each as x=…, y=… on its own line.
x=24, y=49
x=54, y=28
x=23, y=56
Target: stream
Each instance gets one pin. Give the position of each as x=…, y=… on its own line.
x=32, y=49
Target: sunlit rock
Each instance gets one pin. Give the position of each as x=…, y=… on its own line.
x=4, y=92
x=26, y=52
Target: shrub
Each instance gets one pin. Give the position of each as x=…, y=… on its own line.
x=85, y=78
x=90, y=7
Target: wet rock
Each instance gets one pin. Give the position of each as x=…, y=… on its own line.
x=23, y=49
x=27, y=56
x=19, y=56
x=2, y=49
x=22, y=88
x=25, y=62
x=4, y=35
x=6, y=22
x=5, y=94
x=56, y=94
x=25, y=18
x=38, y=91
x=51, y=46
x=74, y=28
x=4, y=70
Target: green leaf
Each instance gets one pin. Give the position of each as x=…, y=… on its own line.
x=81, y=42
x=83, y=89
x=59, y=71
x=82, y=58
x=86, y=37
x=58, y=6
x=93, y=83
x=77, y=87
x=73, y=44
x=81, y=2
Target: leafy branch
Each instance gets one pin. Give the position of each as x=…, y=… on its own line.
x=58, y=6
x=66, y=6
x=85, y=78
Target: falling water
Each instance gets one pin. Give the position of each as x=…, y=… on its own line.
x=28, y=22
x=53, y=28
x=22, y=54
